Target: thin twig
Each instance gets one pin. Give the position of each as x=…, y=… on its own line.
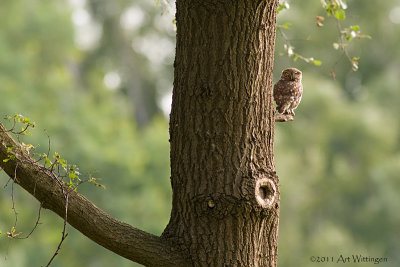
x=12, y=196
x=34, y=227
x=64, y=234
x=13, y=205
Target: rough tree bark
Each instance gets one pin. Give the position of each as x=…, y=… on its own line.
x=225, y=193
x=225, y=190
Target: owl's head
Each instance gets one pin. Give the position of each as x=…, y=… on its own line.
x=291, y=74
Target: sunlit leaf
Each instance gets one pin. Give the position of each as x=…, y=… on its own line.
x=340, y=14
x=282, y=6
x=366, y=36
x=317, y=62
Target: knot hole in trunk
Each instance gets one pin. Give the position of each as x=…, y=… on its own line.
x=265, y=192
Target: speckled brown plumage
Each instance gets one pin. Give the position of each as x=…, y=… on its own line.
x=288, y=91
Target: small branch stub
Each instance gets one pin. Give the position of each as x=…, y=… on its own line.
x=283, y=117
x=265, y=192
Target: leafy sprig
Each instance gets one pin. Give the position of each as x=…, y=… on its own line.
x=336, y=9
x=287, y=46
x=282, y=5
x=26, y=122
x=290, y=49
x=68, y=173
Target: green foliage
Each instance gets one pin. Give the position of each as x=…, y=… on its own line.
x=336, y=9
x=18, y=118
x=63, y=170
x=283, y=5
x=292, y=54
x=285, y=26
x=290, y=49
x=354, y=32
x=10, y=156
x=13, y=233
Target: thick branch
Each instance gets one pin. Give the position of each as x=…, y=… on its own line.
x=83, y=215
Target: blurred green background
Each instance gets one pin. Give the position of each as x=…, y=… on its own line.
x=96, y=76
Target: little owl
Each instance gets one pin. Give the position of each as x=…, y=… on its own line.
x=288, y=91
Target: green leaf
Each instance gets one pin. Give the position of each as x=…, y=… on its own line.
x=282, y=6
x=317, y=62
x=366, y=36
x=6, y=160
x=340, y=14
x=330, y=9
x=287, y=25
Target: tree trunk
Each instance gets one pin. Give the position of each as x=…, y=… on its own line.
x=225, y=190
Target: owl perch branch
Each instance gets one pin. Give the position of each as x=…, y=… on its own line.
x=283, y=117
x=83, y=215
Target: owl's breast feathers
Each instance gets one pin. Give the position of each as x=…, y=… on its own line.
x=287, y=94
